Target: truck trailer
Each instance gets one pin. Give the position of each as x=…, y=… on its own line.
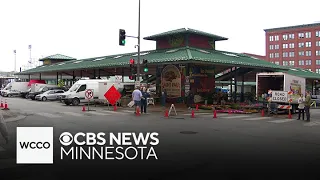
x=281, y=88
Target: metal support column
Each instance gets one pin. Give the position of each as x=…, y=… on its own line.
x=242, y=89
x=57, y=80
x=40, y=76
x=235, y=85
x=99, y=73
x=138, y=64
x=94, y=74
x=73, y=77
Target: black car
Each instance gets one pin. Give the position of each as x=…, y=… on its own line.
x=32, y=95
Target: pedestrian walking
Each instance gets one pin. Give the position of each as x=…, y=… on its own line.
x=144, y=102
x=307, y=105
x=136, y=97
x=301, y=106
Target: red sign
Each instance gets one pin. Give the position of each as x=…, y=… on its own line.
x=112, y=95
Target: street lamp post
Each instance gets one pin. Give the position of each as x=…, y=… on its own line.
x=15, y=60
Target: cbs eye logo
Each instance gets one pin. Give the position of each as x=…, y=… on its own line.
x=66, y=138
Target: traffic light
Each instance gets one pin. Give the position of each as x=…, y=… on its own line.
x=145, y=63
x=122, y=37
x=132, y=77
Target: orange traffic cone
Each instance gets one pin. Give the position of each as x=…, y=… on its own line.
x=1, y=105
x=192, y=113
x=83, y=108
x=138, y=112
x=115, y=108
x=215, y=114
x=262, y=113
x=166, y=113
x=289, y=116
x=5, y=105
x=197, y=107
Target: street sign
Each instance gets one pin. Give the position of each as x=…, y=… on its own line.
x=118, y=78
x=280, y=96
x=89, y=94
x=112, y=95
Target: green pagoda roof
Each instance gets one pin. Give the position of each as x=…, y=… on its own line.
x=185, y=31
x=57, y=57
x=177, y=55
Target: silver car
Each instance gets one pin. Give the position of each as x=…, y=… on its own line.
x=49, y=95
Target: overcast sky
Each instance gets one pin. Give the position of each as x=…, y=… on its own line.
x=83, y=28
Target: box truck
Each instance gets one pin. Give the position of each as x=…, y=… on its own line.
x=281, y=88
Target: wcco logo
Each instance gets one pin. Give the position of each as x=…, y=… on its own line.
x=34, y=145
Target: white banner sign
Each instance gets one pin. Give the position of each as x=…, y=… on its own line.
x=279, y=96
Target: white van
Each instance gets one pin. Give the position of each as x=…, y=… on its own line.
x=76, y=94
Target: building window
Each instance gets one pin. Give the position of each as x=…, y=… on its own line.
x=291, y=63
x=301, y=53
x=271, y=55
x=285, y=63
x=317, y=53
x=308, y=53
x=276, y=38
x=308, y=34
x=318, y=71
x=284, y=46
x=291, y=45
x=285, y=54
x=271, y=47
x=285, y=37
x=301, y=44
x=276, y=55
x=277, y=63
x=301, y=35
x=291, y=36
x=271, y=38
x=291, y=54
x=276, y=46
x=308, y=44
x=301, y=62
x=317, y=62
x=308, y=62
x=317, y=43
x=317, y=33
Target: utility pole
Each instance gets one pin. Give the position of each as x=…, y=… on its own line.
x=138, y=63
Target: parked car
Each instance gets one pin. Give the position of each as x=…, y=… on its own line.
x=25, y=94
x=10, y=93
x=32, y=95
x=49, y=95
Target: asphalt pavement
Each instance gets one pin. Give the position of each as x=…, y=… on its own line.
x=231, y=145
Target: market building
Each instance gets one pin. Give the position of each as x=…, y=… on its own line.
x=185, y=60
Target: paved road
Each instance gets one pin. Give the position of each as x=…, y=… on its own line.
x=247, y=146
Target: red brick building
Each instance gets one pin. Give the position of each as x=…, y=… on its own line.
x=297, y=46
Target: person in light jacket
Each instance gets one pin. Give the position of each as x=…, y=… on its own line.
x=144, y=102
x=301, y=106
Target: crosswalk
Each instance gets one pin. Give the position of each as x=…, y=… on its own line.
x=254, y=117
x=80, y=114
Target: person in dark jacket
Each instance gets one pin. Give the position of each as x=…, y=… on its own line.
x=144, y=102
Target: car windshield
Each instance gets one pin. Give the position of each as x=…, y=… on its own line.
x=74, y=87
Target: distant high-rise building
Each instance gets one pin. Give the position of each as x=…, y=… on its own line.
x=297, y=46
